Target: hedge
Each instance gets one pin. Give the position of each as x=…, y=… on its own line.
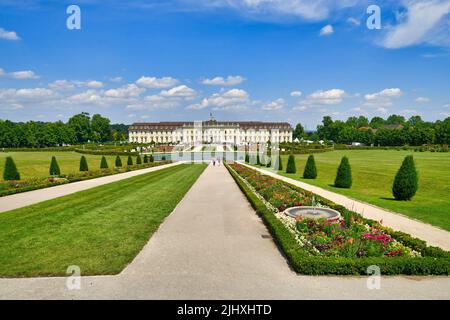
x=435, y=261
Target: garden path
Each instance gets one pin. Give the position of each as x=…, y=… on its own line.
x=214, y=246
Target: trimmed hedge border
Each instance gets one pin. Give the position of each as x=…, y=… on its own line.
x=80, y=177
x=435, y=261
x=106, y=152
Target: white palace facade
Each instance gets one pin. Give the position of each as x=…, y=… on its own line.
x=211, y=131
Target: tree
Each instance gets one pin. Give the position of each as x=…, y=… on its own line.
x=290, y=167
x=377, y=122
x=129, y=161
x=310, y=171
x=247, y=158
x=299, y=132
x=344, y=175
x=118, y=162
x=145, y=158
x=279, y=164
x=138, y=159
x=81, y=125
x=258, y=162
x=395, y=119
x=54, y=167
x=83, y=164
x=151, y=159
x=406, y=180
x=10, y=172
x=104, y=163
x=101, y=129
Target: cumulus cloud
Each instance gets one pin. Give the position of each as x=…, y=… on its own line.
x=422, y=100
x=320, y=97
x=116, y=79
x=22, y=75
x=423, y=22
x=274, y=105
x=129, y=90
x=296, y=93
x=221, y=81
x=327, y=30
x=8, y=35
x=224, y=100
x=384, y=97
x=61, y=85
x=353, y=21
x=156, y=83
x=165, y=99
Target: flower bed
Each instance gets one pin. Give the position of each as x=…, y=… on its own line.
x=12, y=187
x=348, y=246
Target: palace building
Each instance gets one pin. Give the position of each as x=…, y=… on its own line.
x=211, y=131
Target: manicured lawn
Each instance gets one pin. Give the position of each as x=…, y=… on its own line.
x=100, y=230
x=36, y=164
x=373, y=176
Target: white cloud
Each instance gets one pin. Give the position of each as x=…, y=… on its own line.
x=296, y=93
x=384, y=96
x=225, y=100
x=179, y=92
x=274, y=105
x=300, y=108
x=327, y=30
x=116, y=79
x=228, y=81
x=2, y=72
x=382, y=110
x=87, y=97
x=127, y=91
x=422, y=100
x=329, y=97
x=423, y=22
x=166, y=99
x=8, y=35
x=27, y=74
x=353, y=21
x=156, y=83
x=61, y=85
x=94, y=84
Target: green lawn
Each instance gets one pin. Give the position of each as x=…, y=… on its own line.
x=373, y=175
x=36, y=164
x=101, y=230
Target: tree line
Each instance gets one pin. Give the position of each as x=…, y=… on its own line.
x=80, y=128
x=393, y=131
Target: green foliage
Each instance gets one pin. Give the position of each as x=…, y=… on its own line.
x=145, y=158
x=54, y=167
x=130, y=161
x=163, y=158
x=83, y=164
x=10, y=172
x=278, y=165
x=406, y=181
x=247, y=158
x=103, y=163
x=151, y=158
x=310, y=171
x=138, y=159
x=258, y=162
x=290, y=167
x=118, y=162
x=344, y=175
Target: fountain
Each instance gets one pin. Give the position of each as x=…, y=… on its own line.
x=313, y=212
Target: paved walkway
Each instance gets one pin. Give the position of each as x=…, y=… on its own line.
x=212, y=247
x=434, y=236
x=24, y=199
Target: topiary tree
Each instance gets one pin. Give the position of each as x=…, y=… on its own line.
x=54, y=167
x=290, y=167
x=269, y=162
x=129, y=161
x=103, y=163
x=138, y=159
x=310, y=171
x=278, y=165
x=163, y=158
x=151, y=159
x=145, y=158
x=406, y=180
x=83, y=164
x=10, y=172
x=247, y=158
x=344, y=175
x=258, y=162
x=118, y=162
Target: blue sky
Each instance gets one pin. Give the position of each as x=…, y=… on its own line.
x=270, y=60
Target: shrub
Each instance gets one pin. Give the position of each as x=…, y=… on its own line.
x=10, y=172
x=258, y=162
x=83, y=164
x=344, y=175
x=278, y=165
x=310, y=168
x=247, y=158
x=103, y=163
x=151, y=159
x=138, y=159
x=163, y=158
x=145, y=158
x=118, y=162
x=290, y=167
x=406, y=181
x=54, y=167
x=129, y=161
x=269, y=162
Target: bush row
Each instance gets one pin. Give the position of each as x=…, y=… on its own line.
x=435, y=261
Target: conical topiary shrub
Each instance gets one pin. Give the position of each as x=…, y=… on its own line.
x=406, y=181
x=278, y=165
x=247, y=158
x=83, y=164
x=129, y=161
x=103, y=163
x=258, y=162
x=10, y=172
x=118, y=162
x=54, y=167
x=290, y=167
x=344, y=175
x=145, y=158
x=310, y=168
x=138, y=159
x=269, y=162
x=151, y=159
